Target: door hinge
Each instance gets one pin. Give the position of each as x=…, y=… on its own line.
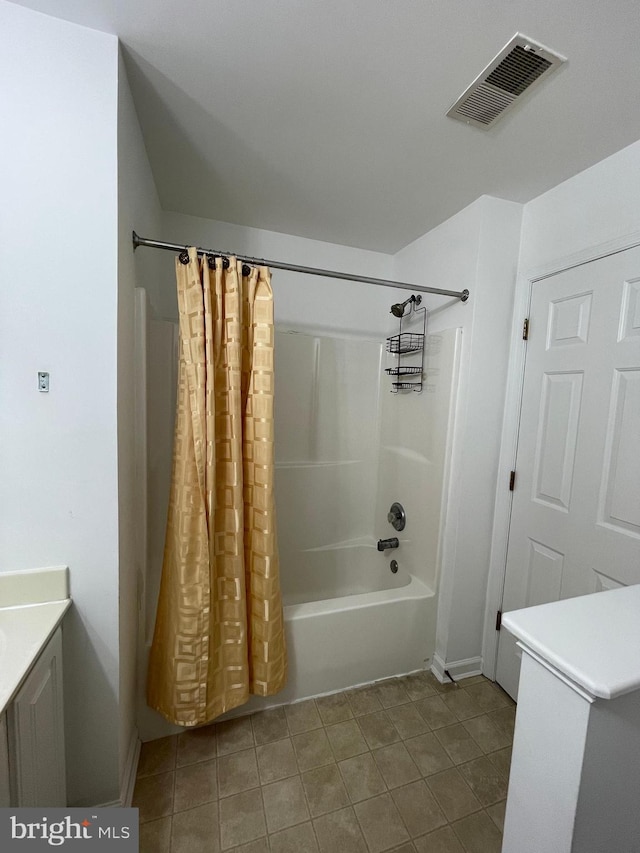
x=512, y=480
x=498, y=620
x=525, y=329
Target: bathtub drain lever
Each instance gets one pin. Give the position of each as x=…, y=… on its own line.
x=383, y=544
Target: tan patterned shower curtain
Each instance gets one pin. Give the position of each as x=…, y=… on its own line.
x=219, y=633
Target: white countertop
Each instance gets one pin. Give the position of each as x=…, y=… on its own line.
x=594, y=639
x=32, y=604
x=24, y=632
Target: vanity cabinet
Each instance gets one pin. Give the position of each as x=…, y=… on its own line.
x=36, y=733
x=5, y=788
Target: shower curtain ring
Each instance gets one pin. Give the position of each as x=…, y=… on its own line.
x=211, y=260
x=225, y=263
x=246, y=270
x=183, y=257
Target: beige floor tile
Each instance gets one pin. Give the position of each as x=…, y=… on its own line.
x=486, y=734
x=505, y=719
x=269, y=726
x=196, y=830
x=488, y=696
x=435, y=712
x=362, y=778
x=396, y=765
x=334, y=708
x=155, y=836
x=296, y=839
x=153, y=795
x=284, y=803
x=454, y=796
x=485, y=781
x=392, y=693
x=418, y=685
x=378, y=730
x=381, y=823
x=501, y=760
x=478, y=834
x=418, y=808
x=473, y=679
x=302, y=717
x=339, y=832
x=363, y=700
x=312, y=749
x=260, y=845
x=241, y=818
x=428, y=754
x=439, y=686
x=346, y=740
x=234, y=735
x=477, y=714
x=458, y=743
x=276, y=760
x=237, y=772
x=195, y=785
x=407, y=721
x=462, y=705
x=441, y=841
x=496, y=812
x=196, y=745
x=325, y=790
x=157, y=756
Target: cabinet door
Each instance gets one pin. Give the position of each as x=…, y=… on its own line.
x=37, y=732
x=5, y=791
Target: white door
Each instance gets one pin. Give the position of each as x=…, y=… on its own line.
x=575, y=520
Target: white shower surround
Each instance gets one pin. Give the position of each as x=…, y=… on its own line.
x=349, y=619
x=338, y=571
x=346, y=448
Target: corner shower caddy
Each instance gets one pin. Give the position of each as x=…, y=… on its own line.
x=408, y=344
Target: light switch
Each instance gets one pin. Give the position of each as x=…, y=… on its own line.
x=43, y=381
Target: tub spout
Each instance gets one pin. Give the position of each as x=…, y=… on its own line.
x=383, y=544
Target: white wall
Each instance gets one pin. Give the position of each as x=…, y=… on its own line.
x=58, y=267
x=138, y=209
x=476, y=249
x=598, y=205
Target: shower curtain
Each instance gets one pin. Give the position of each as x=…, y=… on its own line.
x=219, y=632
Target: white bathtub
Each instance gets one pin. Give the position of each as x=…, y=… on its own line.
x=341, y=642
x=350, y=620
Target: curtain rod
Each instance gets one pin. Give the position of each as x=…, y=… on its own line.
x=463, y=295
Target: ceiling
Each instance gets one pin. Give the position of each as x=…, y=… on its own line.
x=326, y=118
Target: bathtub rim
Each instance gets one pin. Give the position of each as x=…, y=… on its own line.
x=415, y=589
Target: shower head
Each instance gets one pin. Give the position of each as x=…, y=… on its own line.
x=398, y=309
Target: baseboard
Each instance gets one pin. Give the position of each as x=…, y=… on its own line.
x=130, y=771
x=459, y=669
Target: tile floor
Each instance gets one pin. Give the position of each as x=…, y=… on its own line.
x=407, y=765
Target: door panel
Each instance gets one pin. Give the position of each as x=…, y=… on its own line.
x=575, y=521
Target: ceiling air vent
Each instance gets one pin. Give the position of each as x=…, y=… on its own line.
x=518, y=68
